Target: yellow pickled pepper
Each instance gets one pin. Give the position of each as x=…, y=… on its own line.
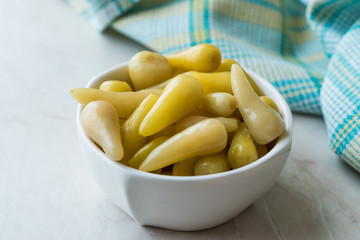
x=180, y=97
x=220, y=104
x=264, y=123
x=217, y=82
x=211, y=164
x=213, y=82
x=242, y=150
x=131, y=139
x=203, y=138
x=225, y=66
x=115, y=86
x=201, y=58
x=148, y=68
x=124, y=102
x=101, y=123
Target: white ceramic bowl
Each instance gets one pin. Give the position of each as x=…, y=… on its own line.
x=186, y=203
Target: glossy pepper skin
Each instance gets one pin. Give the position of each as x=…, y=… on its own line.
x=242, y=150
x=148, y=68
x=213, y=82
x=179, y=98
x=206, y=137
x=264, y=123
x=201, y=58
x=101, y=123
x=115, y=86
x=219, y=104
x=210, y=165
x=124, y=102
x=131, y=139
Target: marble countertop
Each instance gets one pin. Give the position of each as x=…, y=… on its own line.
x=46, y=188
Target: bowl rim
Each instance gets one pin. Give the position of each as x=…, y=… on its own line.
x=283, y=144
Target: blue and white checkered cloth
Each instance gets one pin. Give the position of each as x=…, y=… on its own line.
x=308, y=49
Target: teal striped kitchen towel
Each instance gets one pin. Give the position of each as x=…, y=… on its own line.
x=308, y=49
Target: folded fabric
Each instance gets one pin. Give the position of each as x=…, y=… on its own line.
x=309, y=50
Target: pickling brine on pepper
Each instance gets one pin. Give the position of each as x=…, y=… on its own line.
x=186, y=114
